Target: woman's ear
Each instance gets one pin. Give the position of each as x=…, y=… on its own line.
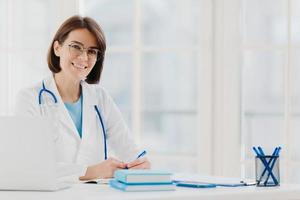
x=56, y=48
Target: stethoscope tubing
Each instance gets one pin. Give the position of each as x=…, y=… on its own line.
x=44, y=89
x=47, y=91
x=103, y=130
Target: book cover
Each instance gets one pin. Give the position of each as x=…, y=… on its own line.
x=143, y=176
x=141, y=187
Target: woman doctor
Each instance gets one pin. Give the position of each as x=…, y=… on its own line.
x=88, y=122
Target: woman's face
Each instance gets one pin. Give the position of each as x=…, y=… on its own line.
x=78, y=54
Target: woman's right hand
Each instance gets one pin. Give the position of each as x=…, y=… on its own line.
x=104, y=169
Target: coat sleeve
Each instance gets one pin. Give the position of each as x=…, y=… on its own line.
x=118, y=134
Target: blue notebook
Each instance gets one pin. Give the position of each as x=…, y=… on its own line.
x=141, y=187
x=143, y=176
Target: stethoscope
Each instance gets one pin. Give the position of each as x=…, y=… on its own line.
x=44, y=89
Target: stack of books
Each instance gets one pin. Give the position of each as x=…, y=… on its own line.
x=142, y=180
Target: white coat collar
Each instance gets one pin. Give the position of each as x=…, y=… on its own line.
x=89, y=100
x=88, y=93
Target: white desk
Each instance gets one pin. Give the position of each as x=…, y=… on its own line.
x=103, y=192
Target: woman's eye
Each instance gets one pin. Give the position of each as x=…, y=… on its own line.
x=76, y=47
x=92, y=52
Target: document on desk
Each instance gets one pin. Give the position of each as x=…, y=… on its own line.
x=218, y=181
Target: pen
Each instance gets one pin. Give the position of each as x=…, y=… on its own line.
x=141, y=154
x=261, y=151
x=256, y=152
x=260, y=154
x=272, y=165
x=269, y=162
x=195, y=185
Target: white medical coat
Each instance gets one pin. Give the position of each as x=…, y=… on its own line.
x=70, y=148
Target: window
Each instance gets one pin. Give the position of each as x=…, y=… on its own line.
x=26, y=32
x=151, y=69
x=270, y=92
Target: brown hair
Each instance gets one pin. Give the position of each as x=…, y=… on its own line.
x=78, y=22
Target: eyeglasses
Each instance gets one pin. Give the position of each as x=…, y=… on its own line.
x=77, y=50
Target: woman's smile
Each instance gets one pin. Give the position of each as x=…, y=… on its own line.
x=79, y=66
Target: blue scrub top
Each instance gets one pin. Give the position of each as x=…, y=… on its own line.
x=75, y=111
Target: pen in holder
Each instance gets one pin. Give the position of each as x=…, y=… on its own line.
x=267, y=167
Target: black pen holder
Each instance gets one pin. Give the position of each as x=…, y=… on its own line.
x=267, y=171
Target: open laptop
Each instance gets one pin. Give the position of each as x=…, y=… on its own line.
x=27, y=160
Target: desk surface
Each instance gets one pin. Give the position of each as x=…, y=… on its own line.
x=93, y=191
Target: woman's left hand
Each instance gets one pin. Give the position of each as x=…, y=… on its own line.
x=140, y=163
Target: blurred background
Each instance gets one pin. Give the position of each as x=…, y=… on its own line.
x=199, y=82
